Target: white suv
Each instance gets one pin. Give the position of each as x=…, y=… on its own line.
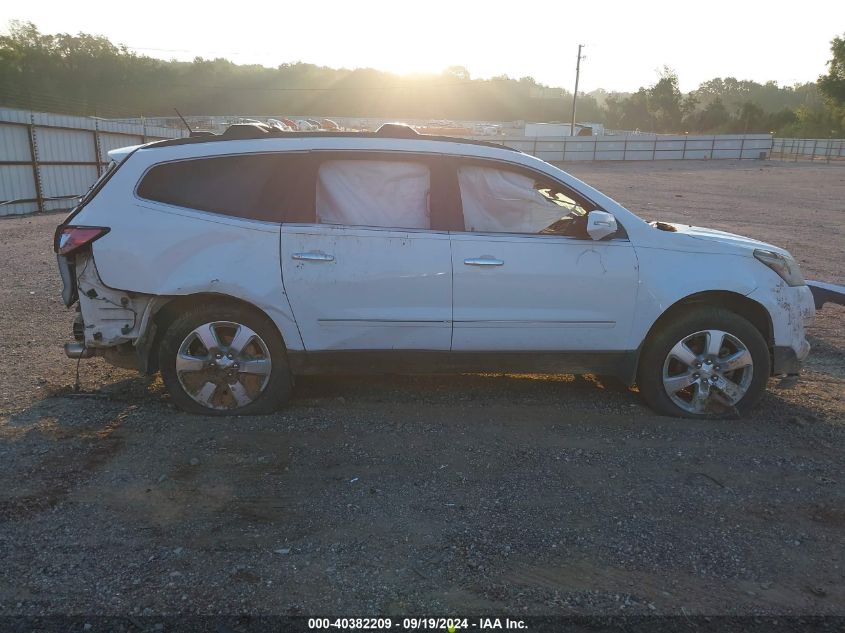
x=233, y=263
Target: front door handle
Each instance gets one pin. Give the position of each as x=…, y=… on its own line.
x=313, y=257
x=483, y=261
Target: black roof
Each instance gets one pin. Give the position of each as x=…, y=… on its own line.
x=251, y=131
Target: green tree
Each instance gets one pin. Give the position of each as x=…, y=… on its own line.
x=733, y=93
x=458, y=72
x=750, y=118
x=781, y=122
x=714, y=117
x=89, y=75
x=832, y=84
x=631, y=112
x=666, y=103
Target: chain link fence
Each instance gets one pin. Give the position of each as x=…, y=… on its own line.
x=794, y=149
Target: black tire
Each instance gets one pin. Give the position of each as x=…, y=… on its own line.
x=685, y=323
x=268, y=393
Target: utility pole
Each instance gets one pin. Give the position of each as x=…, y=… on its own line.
x=575, y=95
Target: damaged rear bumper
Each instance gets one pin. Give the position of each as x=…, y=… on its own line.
x=108, y=322
x=67, y=273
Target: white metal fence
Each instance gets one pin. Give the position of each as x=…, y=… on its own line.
x=46, y=160
x=640, y=147
x=826, y=149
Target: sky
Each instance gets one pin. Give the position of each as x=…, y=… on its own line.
x=626, y=42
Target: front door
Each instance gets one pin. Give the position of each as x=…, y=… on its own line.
x=531, y=293
x=526, y=275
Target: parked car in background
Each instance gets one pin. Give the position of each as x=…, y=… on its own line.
x=279, y=125
x=482, y=129
x=233, y=263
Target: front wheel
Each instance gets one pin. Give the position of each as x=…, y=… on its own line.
x=704, y=362
x=222, y=359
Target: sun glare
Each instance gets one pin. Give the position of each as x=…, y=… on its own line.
x=535, y=38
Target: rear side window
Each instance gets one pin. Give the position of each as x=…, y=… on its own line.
x=390, y=194
x=268, y=187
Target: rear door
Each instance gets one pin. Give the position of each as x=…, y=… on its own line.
x=371, y=272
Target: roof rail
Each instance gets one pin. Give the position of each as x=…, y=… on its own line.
x=252, y=131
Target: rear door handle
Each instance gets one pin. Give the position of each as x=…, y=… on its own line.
x=313, y=257
x=483, y=261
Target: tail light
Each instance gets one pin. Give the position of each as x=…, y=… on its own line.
x=71, y=238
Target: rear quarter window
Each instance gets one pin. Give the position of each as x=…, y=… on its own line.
x=267, y=187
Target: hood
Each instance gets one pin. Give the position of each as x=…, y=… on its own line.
x=723, y=238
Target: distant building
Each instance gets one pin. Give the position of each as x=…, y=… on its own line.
x=563, y=129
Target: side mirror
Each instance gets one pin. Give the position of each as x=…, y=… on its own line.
x=600, y=224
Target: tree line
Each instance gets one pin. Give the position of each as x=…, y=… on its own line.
x=89, y=75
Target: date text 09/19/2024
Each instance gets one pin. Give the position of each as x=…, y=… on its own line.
x=447, y=624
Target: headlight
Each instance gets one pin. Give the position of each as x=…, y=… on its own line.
x=786, y=267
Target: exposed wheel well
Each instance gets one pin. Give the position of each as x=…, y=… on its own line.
x=168, y=312
x=756, y=314
x=747, y=308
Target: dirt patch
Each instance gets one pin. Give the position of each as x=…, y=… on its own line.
x=471, y=494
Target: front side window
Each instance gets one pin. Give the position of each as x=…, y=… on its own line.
x=502, y=201
x=391, y=194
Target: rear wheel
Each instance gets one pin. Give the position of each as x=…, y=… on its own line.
x=223, y=359
x=704, y=362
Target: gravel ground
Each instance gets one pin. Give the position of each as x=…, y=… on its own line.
x=480, y=494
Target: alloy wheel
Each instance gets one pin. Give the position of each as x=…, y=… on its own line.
x=223, y=365
x=707, y=371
